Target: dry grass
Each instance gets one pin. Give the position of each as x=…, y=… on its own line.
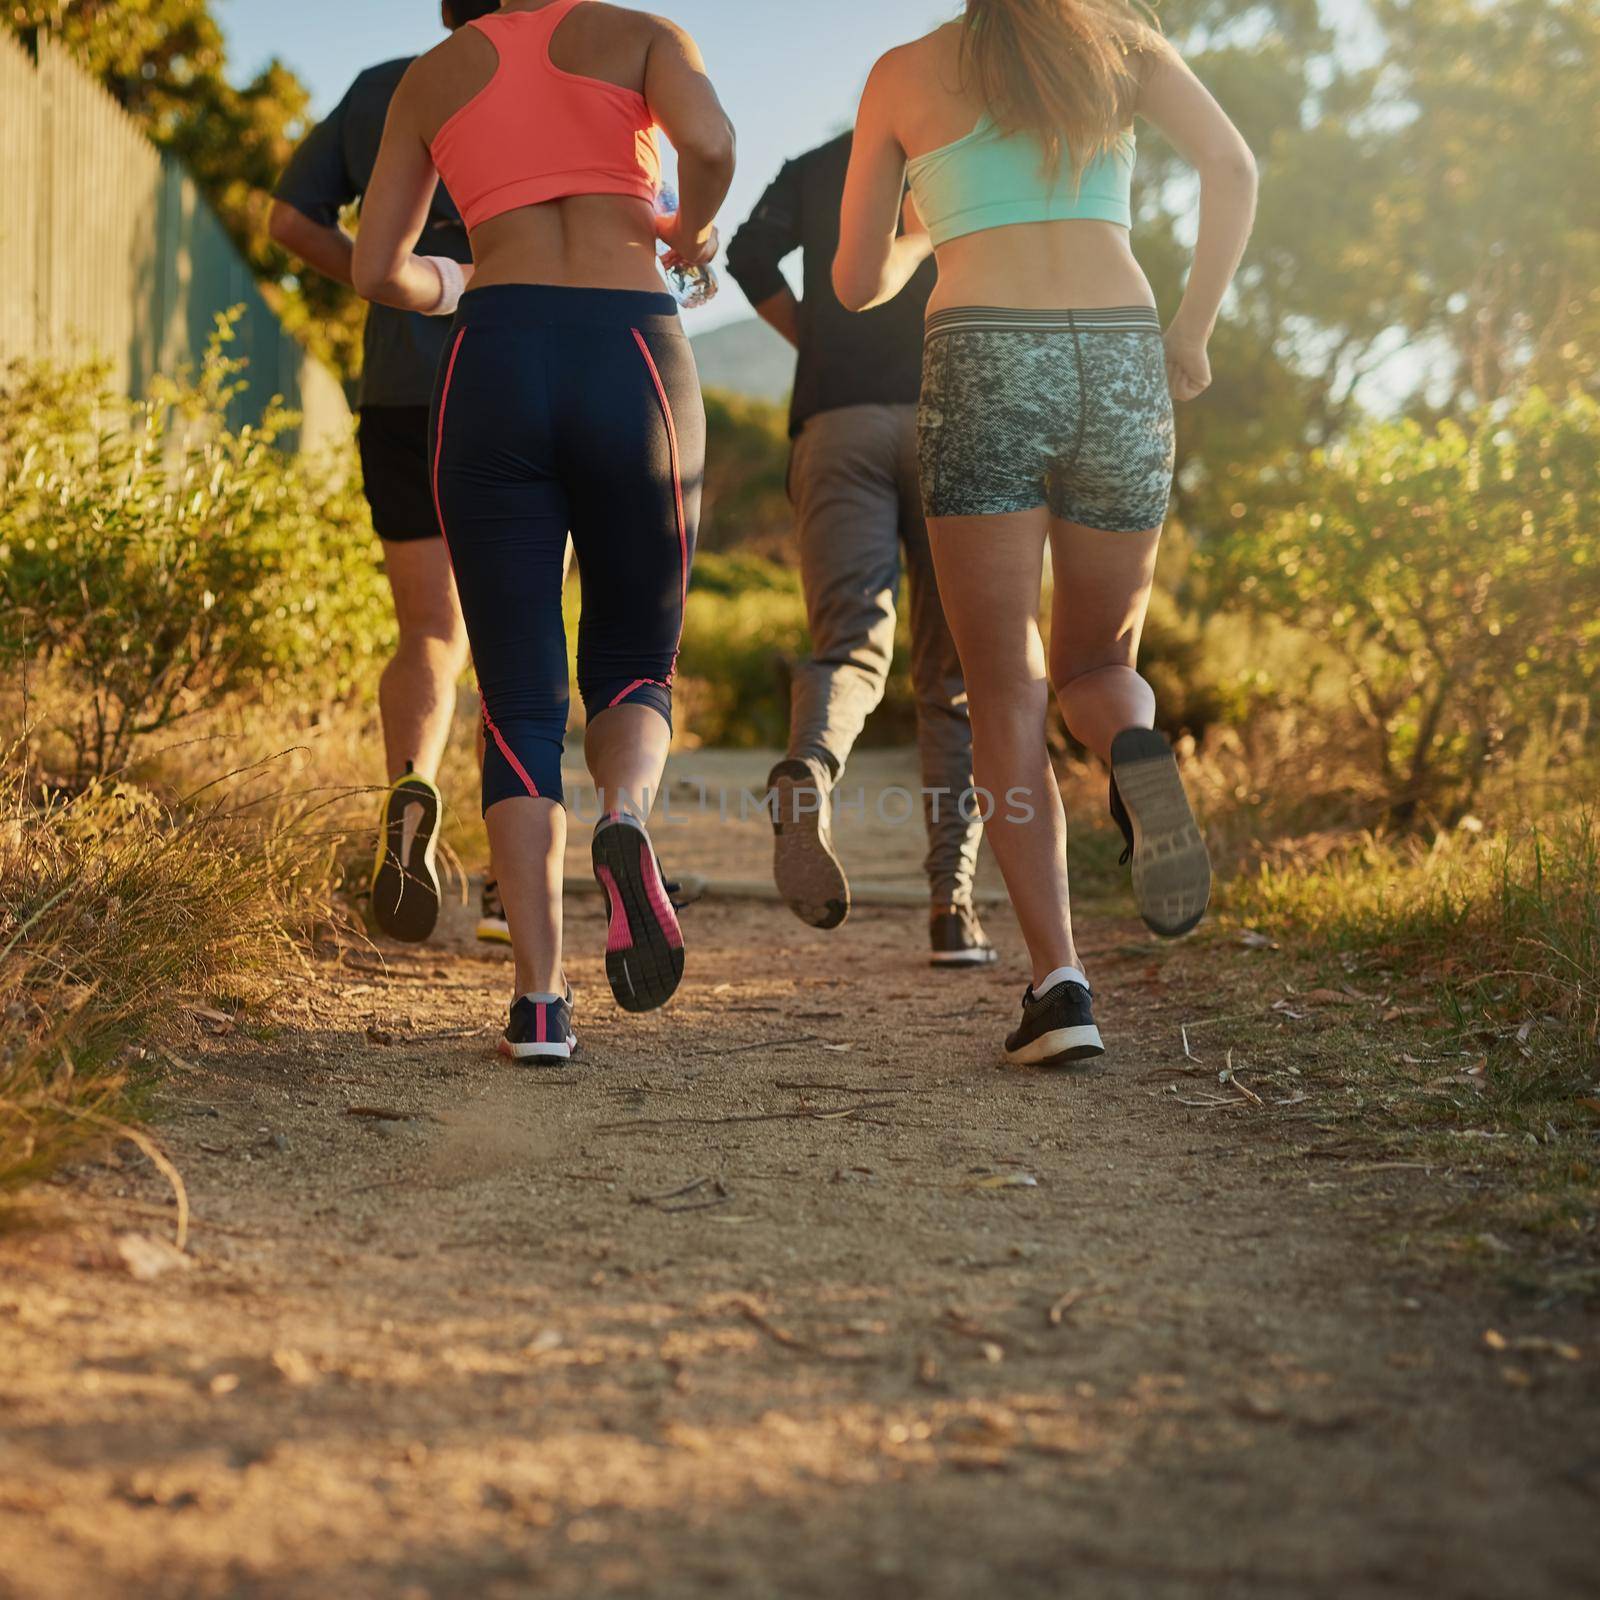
x=120, y=913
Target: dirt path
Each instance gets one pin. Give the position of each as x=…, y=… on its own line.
x=896, y=1322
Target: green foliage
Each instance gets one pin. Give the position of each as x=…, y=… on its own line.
x=1456, y=571
x=1425, y=214
x=157, y=561
x=744, y=626
x=747, y=469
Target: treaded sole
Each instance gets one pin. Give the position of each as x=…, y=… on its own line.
x=645, y=974
x=406, y=900
x=1171, y=865
x=964, y=958
x=1059, y=1048
x=807, y=872
x=538, y=1052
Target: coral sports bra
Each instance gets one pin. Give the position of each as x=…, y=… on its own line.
x=535, y=133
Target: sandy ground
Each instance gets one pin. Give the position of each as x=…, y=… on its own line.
x=791, y=1290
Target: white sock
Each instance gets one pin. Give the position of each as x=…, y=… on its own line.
x=1059, y=976
x=544, y=999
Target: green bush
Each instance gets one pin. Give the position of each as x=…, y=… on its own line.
x=1456, y=573
x=153, y=561
x=747, y=471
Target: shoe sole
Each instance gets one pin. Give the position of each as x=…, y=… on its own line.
x=1171, y=865
x=1059, y=1048
x=644, y=944
x=538, y=1052
x=964, y=958
x=491, y=930
x=804, y=867
x=406, y=896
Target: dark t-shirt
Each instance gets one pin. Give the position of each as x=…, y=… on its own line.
x=847, y=358
x=330, y=171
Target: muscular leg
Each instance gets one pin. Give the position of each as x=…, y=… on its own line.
x=990, y=573
x=626, y=748
x=1103, y=583
x=417, y=692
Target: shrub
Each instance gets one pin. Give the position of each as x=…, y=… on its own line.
x=156, y=561
x=747, y=472
x=1457, y=574
x=114, y=910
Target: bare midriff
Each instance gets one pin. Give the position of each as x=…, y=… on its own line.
x=1036, y=266
x=591, y=241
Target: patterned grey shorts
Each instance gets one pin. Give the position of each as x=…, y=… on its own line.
x=1067, y=409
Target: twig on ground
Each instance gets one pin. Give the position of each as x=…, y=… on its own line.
x=764, y=1044
x=809, y=1114
x=754, y=1316
x=1069, y=1302
x=671, y=1194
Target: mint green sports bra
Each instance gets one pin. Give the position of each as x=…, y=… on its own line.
x=993, y=180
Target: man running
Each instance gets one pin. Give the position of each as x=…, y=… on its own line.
x=417, y=693
x=853, y=482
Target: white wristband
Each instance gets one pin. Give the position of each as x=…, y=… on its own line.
x=452, y=285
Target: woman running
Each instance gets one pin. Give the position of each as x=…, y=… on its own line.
x=1046, y=416
x=567, y=398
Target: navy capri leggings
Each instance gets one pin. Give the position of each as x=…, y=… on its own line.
x=566, y=409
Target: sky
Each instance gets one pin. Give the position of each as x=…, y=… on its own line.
x=789, y=71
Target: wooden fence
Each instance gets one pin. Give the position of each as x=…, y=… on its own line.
x=108, y=250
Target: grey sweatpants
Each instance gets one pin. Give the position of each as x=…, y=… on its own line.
x=853, y=481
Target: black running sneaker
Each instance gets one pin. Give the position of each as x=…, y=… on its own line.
x=644, y=944
x=804, y=866
x=958, y=939
x=1171, y=866
x=492, y=925
x=405, y=879
x=540, y=1030
x=1057, y=1028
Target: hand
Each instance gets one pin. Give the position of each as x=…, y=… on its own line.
x=686, y=250
x=1188, y=365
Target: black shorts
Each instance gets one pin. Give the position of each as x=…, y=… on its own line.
x=394, y=466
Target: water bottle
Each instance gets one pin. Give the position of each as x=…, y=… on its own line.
x=692, y=287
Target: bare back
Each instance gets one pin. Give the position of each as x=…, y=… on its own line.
x=1034, y=265
x=595, y=240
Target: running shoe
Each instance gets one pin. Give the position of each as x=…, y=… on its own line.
x=540, y=1029
x=405, y=880
x=959, y=940
x=1171, y=866
x=806, y=870
x=1057, y=1028
x=492, y=925
x=644, y=944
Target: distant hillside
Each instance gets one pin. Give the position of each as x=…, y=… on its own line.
x=746, y=358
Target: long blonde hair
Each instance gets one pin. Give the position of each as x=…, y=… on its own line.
x=1065, y=71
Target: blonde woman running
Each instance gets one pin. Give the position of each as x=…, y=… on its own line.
x=1046, y=416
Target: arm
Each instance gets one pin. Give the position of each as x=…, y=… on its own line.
x=316, y=186
x=325, y=247
x=757, y=250
x=687, y=110
x=1199, y=130
x=875, y=261
x=394, y=213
